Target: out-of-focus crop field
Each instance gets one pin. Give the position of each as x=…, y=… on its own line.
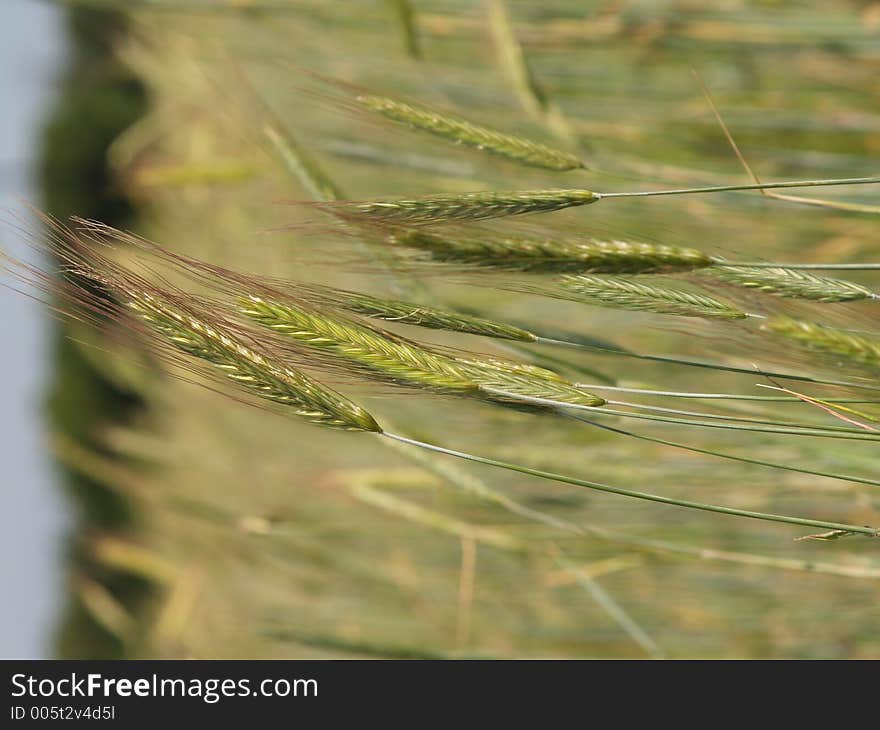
x=251, y=535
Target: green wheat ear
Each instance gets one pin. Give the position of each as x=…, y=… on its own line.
x=523, y=382
x=548, y=255
x=401, y=361
x=393, y=360
x=459, y=131
x=821, y=338
x=488, y=205
x=619, y=293
x=248, y=368
x=791, y=283
x=396, y=310
x=462, y=206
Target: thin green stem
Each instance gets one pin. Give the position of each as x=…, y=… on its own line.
x=834, y=432
x=562, y=478
x=734, y=419
x=800, y=431
x=850, y=435
x=752, y=186
x=717, y=396
x=700, y=364
x=732, y=457
x=815, y=267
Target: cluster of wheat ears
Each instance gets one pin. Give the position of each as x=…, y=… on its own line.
x=281, y=342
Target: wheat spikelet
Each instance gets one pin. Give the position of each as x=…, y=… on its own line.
x=821, y=338
x=247, y=367
x=396, y=310
x=791, y=283
x=617, y=293
x=541, y=255
x=393, y=359
x=465, y=133
x=461, y=206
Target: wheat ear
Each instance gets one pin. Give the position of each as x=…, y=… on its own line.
x=619, y=293
x=487, y=205
x=544, y=255
x=791, y=283
x=247, y=367
x=517, y=382
x=462, y=132
x=527, y=394
x=462, y=206
x=391, y=358
x=821, y=338
x=396, y=310
x=401, y=361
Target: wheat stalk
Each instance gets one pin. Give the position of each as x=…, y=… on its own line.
x=722, y=455
x=619, y=293
x=404, y=14
x=791, y=283
x=466, y=133
x=616, y=351
x=297, y=161
x=512, y=62
x=843, y=529
x=471, y=485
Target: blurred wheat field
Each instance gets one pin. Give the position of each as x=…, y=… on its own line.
x=264, y=537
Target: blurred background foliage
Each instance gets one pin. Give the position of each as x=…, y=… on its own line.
x=214, y=530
